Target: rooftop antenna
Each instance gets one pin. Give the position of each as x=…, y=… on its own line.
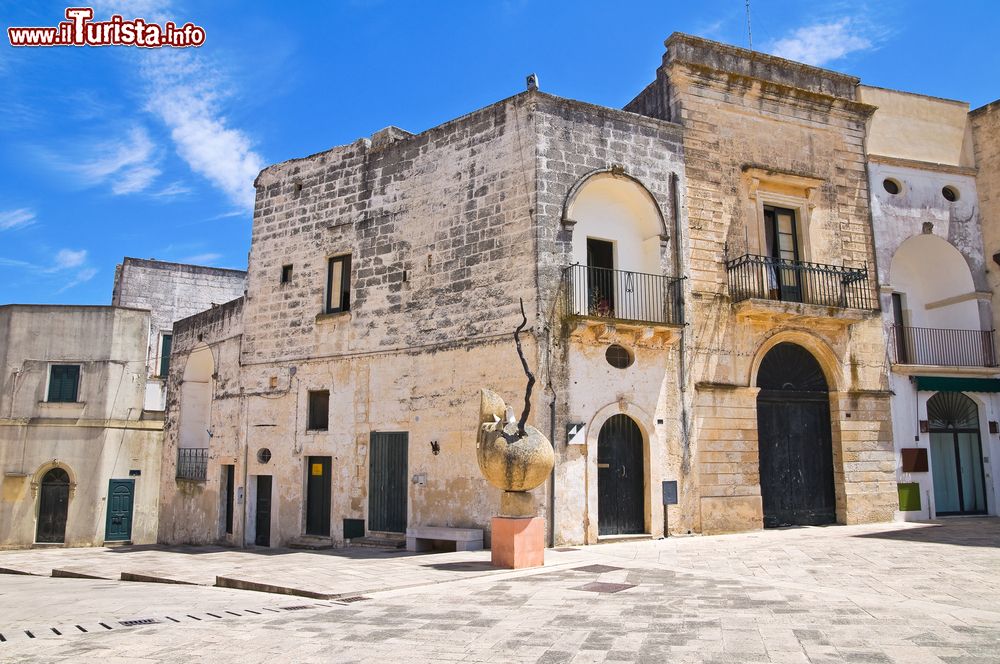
x=749, y=33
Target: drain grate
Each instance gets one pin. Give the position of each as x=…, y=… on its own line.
x=300, y=607
x=565, y=549
x=597, y=569
x=598, y=587
x=356, y=598
x=138, y=621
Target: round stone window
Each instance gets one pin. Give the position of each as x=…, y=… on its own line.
x=619, y=357
x=892, y=186
x=950, y=194
x=263, y=455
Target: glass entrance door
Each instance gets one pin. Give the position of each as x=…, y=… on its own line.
x=956, y=455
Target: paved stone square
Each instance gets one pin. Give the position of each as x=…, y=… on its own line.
x=910, y=593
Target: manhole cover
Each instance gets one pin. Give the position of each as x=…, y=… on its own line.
x=597, y=569
x=598, y=587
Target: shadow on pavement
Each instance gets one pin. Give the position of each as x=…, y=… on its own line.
x=961, y=531
x=462, y=567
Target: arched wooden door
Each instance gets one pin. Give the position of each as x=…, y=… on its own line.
x=794, y=439
x=53, y=504
x=620, y=478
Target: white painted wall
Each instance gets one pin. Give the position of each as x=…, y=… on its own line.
x=927, y=269
x=614, y=208
x=196, y=399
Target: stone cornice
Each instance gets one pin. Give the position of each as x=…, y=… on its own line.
x=922, y=165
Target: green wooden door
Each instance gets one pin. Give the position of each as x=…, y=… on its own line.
x=120, y=498
x=387, y=486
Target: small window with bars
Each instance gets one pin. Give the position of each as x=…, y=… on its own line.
x=64, y=383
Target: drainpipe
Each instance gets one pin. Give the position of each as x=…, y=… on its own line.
x=246, y=491
x=681, y=363
x=552, y=475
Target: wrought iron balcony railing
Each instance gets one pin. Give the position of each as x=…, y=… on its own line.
x=192, y=463
x=949, y=348
x=767, y=278
x=597, y=292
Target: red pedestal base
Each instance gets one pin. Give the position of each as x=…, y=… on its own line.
x=518, y=542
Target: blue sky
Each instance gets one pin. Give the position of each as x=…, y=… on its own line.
x=112, y=152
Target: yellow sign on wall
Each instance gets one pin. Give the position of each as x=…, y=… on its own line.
x=317, y=469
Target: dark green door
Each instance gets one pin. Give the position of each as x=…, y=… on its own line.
x=120, y=498
x=387, y=484
x=262, y=536
x=318, y=496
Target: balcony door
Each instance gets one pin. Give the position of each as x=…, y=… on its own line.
x=600, y=278
x=782, y=238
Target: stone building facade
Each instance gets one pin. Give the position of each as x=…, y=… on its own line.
x=780, y=252
x=74, y=440
x=81, y=406
x=699, y=274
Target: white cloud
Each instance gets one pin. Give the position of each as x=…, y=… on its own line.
x=19, y=218
x=67, y=258
x=128, y=164
x=172, y=190
x=201, y=259
x=821, y=43
x=185, y=94
x=82, y=276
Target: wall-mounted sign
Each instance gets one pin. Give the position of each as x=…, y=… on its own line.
x=135, y=472
x=576, y=434
x=670, y=492
x=317, y=470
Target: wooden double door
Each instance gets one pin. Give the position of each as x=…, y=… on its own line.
x=620, y=478
x=794, y=439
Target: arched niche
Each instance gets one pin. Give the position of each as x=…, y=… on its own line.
x=930, y=274
x=196, y=398
x=614, y=207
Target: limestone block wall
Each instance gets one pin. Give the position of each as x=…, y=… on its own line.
x=985, y=123
x=440, y=233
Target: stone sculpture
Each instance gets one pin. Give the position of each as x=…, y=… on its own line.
x=515, y=457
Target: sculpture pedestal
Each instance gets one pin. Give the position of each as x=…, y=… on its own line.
x=518, y=541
